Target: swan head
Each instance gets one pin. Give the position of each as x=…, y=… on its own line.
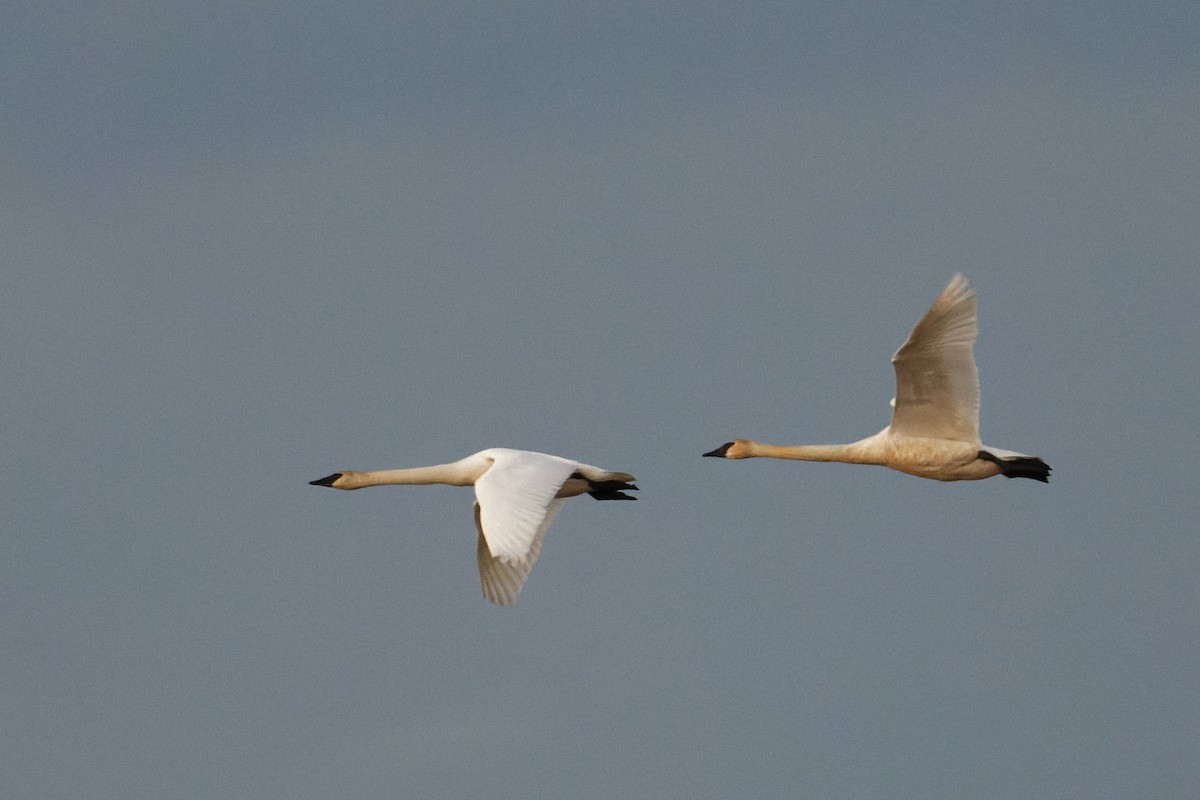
x=738, y=448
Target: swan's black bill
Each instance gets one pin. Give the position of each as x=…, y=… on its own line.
x=326, y=481
x=720, y=451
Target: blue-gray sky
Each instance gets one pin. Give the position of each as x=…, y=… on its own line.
x=248, y=244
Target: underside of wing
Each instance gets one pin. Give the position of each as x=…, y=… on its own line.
x=501, y=581
x=937, y=384
x=515, y=497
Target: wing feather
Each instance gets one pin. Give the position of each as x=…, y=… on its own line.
x=937, y=384
x=500, y=580
x=515, y=497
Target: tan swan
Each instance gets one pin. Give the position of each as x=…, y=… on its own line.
x=935, y=418
x=517, y=495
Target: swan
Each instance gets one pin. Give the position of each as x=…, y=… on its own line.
x=935, y=418
x=517, y=495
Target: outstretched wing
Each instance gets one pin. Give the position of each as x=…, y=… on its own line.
x=501, y=581
x=515, y=497
x=937, y=384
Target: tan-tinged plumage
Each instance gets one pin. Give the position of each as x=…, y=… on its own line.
x=934, y=431
x=517, y=495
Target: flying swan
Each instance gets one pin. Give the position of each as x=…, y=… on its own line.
x=935, y=418
x=517, y=495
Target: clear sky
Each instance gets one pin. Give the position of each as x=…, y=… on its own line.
x=246, y=245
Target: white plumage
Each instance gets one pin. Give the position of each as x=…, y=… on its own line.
x=517, y=495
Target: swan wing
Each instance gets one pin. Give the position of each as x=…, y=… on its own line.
x=937, y=384
x=501, y=581
x=516, y=501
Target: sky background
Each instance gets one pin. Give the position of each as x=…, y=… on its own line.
x=246, y=245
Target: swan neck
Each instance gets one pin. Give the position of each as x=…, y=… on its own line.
x=845, y=453
x=455, y=474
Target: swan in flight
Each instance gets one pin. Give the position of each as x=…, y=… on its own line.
x=517, y=495
x=935, y=417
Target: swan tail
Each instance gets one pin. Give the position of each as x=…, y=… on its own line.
x=612, y=486
x=1015, y=465
x=612, y=490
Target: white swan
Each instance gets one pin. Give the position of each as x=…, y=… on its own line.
x=517, y=495
x=935, y=418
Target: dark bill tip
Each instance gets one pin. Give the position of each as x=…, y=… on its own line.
x=326, y=481
x=720, y=451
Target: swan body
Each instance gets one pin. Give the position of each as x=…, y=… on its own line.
x=934, y=431
x=517, y=495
